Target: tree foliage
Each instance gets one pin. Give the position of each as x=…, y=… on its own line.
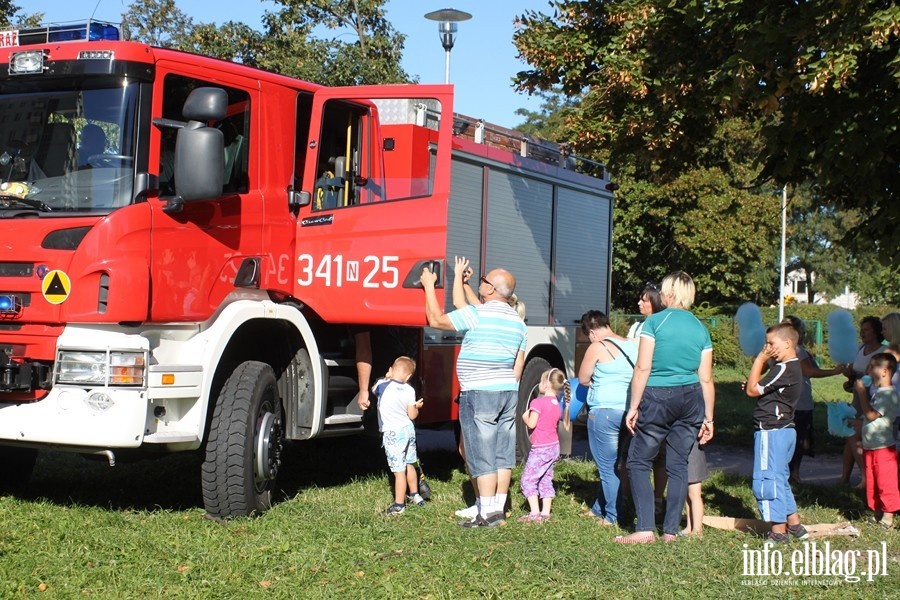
x=237, y=42
x=549, y=120
x=700, y=222
x=359, y=47
x=11, y=15
x=157, y=22
x=657, y=78
x=371, y=56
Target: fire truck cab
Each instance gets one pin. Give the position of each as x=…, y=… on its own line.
x=192, y=246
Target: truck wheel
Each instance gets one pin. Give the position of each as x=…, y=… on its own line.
x=243, y=451
x=528, y=390
x=16, y=465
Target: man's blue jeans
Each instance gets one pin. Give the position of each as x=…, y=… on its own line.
x=488, y=424
x=604, y=430
x=670, y=415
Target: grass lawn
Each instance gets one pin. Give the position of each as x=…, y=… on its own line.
x=82, y=529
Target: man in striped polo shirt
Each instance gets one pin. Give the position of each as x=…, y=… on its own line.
x=489, y=366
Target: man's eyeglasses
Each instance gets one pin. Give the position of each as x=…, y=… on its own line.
x=484, y=280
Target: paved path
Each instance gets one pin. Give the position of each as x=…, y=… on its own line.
x=822, y=469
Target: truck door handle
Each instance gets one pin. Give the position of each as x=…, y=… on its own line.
x=415, y=273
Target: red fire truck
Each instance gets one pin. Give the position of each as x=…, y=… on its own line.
x=189, y=245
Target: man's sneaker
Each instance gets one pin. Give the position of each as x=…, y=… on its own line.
x=494, y=519
x=395, y=509
x=778, y=538
x=798, y=532
x=415, y=500
x=468, y=513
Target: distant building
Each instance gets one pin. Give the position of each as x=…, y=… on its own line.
x=796, y=287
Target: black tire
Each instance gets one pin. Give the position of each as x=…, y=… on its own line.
x=16, y=465
x=528, y=390
x=243, y=450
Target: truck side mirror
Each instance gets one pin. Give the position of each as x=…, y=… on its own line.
x=206, y=104
x=200, y=150
x=199, y=163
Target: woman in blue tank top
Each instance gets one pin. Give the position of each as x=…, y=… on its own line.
x=606, y=368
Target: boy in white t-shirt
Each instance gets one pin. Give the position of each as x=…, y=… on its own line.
x=397, y=407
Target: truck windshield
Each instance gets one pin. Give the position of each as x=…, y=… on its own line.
x=67, y=150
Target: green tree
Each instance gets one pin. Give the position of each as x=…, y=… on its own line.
x=373, y=55
x=657, y=78
x=548, y=122
x=703, y=221
x=157, y=22
x=8, y=11
x=11, y=16
x=692, y=224
x=232, y=41
x=815, y=228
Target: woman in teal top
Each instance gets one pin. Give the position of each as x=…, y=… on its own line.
x=606, y=368
x=672, y=401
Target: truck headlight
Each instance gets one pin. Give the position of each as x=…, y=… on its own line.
x=126, y=368
x=81, y=367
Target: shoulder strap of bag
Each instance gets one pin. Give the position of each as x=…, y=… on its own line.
x=620, y=350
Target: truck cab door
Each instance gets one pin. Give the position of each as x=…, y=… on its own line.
x=375, y=179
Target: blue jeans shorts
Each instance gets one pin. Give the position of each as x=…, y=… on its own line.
x=488, y=423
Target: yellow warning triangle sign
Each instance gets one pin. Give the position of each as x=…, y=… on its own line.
x=56, y=286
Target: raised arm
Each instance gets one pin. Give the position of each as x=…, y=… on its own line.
x=433, y=313
x=756, y=371
x=462, y=292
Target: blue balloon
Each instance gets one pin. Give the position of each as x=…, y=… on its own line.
x=579, y=397
x=838, y=414
x=842, y=336
x=752, y=332
x=748, y=315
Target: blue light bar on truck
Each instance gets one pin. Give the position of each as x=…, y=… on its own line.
x=92, y=31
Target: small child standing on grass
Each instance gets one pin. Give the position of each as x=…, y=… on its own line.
x=879, y=447
x=397, y=407
x=542, y=417
x=698, y=472
x=774, y=437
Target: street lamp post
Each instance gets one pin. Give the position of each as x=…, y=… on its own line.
x=783, y=246
x=447, y=19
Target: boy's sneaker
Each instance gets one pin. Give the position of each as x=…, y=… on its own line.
x=395, y=509
x=798, y=532
x=778, y=538
x=415, y=500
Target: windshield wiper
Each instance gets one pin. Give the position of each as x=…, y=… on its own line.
x=9, y=201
